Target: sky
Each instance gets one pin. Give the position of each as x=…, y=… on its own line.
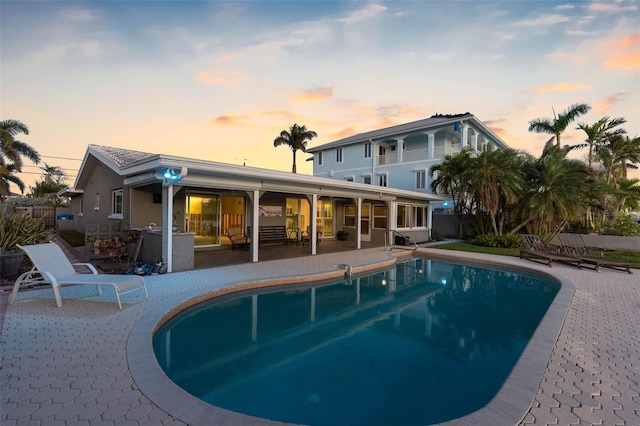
x=219, y=80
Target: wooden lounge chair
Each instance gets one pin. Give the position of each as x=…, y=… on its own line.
x=574, y=245
x=533, y=248
x=238, y=238
x=306, y=235
x=51, y=266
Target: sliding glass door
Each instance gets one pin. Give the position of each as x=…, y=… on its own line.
x=203, y=215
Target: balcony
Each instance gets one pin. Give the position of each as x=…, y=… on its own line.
x=418, y=154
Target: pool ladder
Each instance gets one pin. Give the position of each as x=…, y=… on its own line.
x=348, y=269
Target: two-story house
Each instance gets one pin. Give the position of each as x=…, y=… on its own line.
x=401, y=156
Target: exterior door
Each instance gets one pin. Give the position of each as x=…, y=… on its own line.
x=203, y=212
x=365, y=223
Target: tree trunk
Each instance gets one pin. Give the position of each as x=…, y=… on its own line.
x=293, y=169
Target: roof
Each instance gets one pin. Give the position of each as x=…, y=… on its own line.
x=142, y=168
x=436, y=120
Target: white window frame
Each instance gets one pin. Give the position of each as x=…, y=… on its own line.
x=414, y=216
x=368, y=149
x=349, y=178
x=406, y=220
x=117, y=208
x=420, y=179
x=96, y=201
x=352, y=222
x=383, y=179
x=364, y=179
x=339, y=155
x=382, y=218
x=319, y=158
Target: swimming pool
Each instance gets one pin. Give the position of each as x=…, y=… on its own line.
x=423, y=342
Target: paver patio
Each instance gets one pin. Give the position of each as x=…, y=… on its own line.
x=70, y=365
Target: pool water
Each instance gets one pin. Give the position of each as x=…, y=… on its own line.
x=420, y=343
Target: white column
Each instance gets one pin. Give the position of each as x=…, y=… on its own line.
x=313, y=238
x=431, y=144
x=255, y=223
x=358, y=224
x=429, y=219
x=167, y=231
x=463, y=134
x=474, y=142
x=399, y=150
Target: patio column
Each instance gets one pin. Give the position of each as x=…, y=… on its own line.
x=474, y=142
x=358, y=224
x=399, y=149
x=429, y=219
x=167, y=231
x=255, y=223
x=313, y=238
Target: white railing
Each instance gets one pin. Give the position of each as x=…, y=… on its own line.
x=381, y=160
x=419, y=154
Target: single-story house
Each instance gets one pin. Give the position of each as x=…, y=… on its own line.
x=185, y=204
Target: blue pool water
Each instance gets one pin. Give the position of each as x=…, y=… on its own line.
x=420, y=343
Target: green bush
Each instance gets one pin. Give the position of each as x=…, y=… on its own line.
x=500, y=241
x=625, y=226
x=18, y=228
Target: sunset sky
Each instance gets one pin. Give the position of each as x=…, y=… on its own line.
x=219, y=80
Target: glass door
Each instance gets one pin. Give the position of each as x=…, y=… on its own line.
x=325, y=217
x=365, y=223
x=203, y=213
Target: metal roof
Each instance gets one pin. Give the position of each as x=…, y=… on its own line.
x=436, y=120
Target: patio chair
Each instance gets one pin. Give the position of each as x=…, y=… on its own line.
x=533, y=248
x=306, y=235
x=51, y=266
x=574, y=245
x=238, y=238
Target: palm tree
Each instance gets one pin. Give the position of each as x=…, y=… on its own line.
x=450, y=178
x=628, y=194
x=559, y=123
x=11, y=151
x=597, y=132
x=617, y=154
x=296, y=139
x=496, y=181
x=556, y=192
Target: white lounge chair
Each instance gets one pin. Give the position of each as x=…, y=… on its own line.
x=51, y=266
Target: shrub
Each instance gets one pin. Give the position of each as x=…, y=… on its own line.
x=502, y=241
x=625, y=226
x=18, y=228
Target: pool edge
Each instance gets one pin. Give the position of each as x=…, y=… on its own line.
x=509, y=406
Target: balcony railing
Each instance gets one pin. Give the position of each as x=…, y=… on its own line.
x=418, y=154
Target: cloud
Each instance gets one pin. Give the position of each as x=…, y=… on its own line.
x=602, y=106
x=76, y=15
x=222, y=76
x=371, y=11
x=623, y=52
x=564, y=7
x=230, y=120
x=543, y=21
x=563, y=87
x=313, y=95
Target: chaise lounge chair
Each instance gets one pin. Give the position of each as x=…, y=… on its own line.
x=51, y=266
x=533, y=248
x=574, y=245
x=238, y=238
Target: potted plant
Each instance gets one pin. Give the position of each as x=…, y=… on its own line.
x=17, y=228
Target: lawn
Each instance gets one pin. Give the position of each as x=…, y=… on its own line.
x=633, y=257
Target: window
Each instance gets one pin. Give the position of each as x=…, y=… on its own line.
x=349, y=215
x=418, y=216
x=421, y=179
x=320, y=158
x=380, y=217
x=116, y=203
x=349, y=178
x=367, y=150
x=401, y=217
x=382, y=179
x=96, y=201
x=338, y=155
x=366, y=179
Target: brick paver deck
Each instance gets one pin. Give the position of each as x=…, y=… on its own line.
x=70, y=365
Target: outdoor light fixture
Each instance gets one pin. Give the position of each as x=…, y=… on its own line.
x=170, y=176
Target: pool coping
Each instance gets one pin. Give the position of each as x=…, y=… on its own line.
x=508, y=406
